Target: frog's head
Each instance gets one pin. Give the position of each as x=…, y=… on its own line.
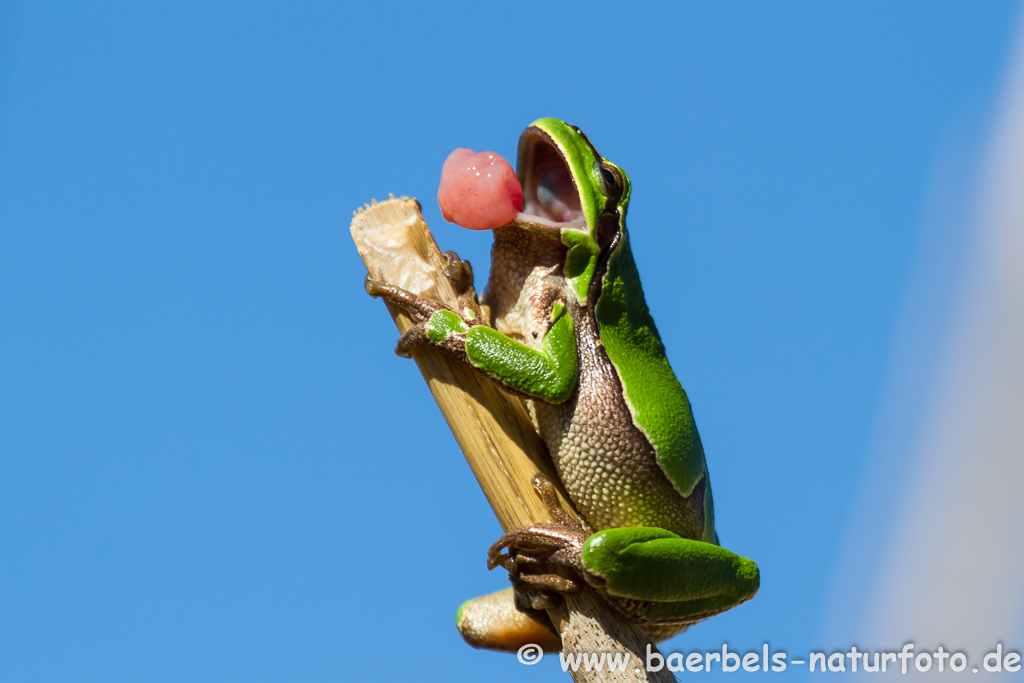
x=567, y=184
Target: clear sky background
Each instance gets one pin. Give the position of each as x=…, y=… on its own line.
x=213, y=468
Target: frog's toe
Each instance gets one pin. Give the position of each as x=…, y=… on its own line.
x=374, y=288
x=543, y=563
x=458, y=271
x=420, y=308
x=549, y=582
x=413, y=337
x=546, y=542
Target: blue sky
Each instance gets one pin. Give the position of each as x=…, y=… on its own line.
x=212, y=467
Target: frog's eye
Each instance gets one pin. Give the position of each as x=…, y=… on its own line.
x=612, y=177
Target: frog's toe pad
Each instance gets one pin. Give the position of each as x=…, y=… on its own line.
x=547, y=582
x=458, y=271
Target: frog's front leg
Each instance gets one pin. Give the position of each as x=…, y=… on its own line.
x=548, y=373
x=653, y=575
x=434, y=320
x=420, y=308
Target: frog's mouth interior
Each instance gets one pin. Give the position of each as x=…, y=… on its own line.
x=549, y=192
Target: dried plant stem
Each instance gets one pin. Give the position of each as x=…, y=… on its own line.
x=491, y=427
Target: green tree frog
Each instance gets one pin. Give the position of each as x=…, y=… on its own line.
x=568, y=328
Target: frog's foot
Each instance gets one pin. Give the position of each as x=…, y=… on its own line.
x=542, y=559
x=543, y=563
x=535, y=545
x=556, y=543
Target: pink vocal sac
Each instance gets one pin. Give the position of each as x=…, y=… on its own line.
x=479, y=190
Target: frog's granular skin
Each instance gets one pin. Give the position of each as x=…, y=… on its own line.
x=605, y=462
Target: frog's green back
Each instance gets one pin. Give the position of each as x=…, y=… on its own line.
x=656, y=398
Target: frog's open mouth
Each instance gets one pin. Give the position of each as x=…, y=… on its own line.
x=550, y=196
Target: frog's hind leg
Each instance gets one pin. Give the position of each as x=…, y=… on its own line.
x=661, y=577
x=494, y=622
x=654, y=575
